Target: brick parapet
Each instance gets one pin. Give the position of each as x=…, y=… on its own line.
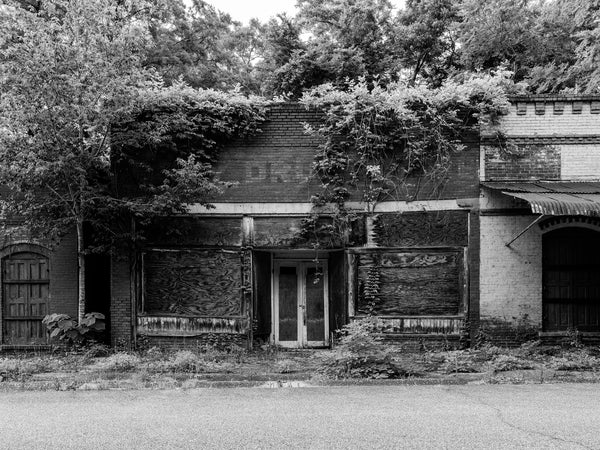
x=556, y=138
x=277, y=164
x=552, y=116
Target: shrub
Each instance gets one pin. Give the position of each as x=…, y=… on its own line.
x=460, y=362
x=361, y=354
x=504, y=363
x=154, y=354
x=66, y=329
x=121, y=361
x=16, y=369
x=576, y=360
x=286, y=366
x=185, y=361
x=96, y=350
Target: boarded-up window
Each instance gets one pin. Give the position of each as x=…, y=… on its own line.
x=432, y=228
x=193, y=283
x=410, y=283
x=196, y=231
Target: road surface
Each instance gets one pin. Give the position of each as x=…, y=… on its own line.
x=555, y=416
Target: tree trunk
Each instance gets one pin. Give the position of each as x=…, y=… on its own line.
x=81, y=272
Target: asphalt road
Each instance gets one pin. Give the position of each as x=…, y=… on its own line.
x=477, y=416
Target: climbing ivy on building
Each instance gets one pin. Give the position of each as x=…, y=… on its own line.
x=387, y=141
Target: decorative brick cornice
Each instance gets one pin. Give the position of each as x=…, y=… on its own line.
x=545, y=140
x=553, y=98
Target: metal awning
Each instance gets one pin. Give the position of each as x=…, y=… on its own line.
x=554, y=198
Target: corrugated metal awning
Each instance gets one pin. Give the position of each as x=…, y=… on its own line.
x=554, y=198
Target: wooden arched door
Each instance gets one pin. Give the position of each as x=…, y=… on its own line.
x=25, y=293
x=571, y=279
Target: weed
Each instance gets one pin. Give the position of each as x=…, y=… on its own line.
x=505, y=363
x=123, y=362
x=361, y=354
x=185, y=361
x=16, y=369
x=96, y=350
x=575, y=360
x=460, y=362
x=286, y=366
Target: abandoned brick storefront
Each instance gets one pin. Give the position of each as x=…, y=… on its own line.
x=508, y=251
x=540, y=234
x=239, y=272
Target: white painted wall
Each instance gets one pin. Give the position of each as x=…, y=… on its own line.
x=510, y=277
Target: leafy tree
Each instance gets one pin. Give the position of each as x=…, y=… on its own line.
x=246, y=45
x=573, y=29
x=188, y=43
x=71, y=71
x=68, y=68
x=498, y=32
x=203, y=46
x=347, y=39
x=554, y=45
x=425, y=39
x=281, y=45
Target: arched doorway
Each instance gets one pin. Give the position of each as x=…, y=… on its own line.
x=571, y=279
x=25, y=293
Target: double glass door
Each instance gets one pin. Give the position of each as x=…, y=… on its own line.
x=300, y=307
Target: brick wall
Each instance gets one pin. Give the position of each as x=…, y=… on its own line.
x=533, y=162
x=120, y=304
x=62, y=258
x=62, y=263
x=580, y=162
x=276, y=165
x=510, y=279
x=559, y=117
x=63, y=277
x=473, y=256
x=556, y=139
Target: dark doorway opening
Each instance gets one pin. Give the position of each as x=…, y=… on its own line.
x=571, y=280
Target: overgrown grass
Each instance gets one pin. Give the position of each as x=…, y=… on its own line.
x=358, y=355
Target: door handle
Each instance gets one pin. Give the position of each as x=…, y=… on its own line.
x=303, y=307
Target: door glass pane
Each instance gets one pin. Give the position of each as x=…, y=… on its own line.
x=288, y=304
x=315, y=305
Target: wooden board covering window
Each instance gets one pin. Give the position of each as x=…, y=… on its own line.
x=193, y=283
x=431, y=228
x=410, y=283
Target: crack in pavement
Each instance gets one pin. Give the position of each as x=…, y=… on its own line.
x=509, y=424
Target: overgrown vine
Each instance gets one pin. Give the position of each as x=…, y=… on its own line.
x=163, y=152
x=391, y=142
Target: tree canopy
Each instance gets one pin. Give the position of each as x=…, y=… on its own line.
x=74, y=74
